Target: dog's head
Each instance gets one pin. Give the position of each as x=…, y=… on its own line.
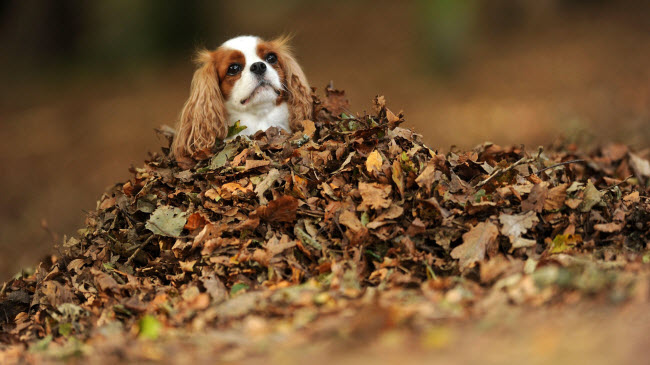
x=244, y=75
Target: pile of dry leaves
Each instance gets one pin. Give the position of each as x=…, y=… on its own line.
x=352, y=210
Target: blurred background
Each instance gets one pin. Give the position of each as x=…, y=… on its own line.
x=83, y=84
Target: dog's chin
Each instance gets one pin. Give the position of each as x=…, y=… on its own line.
x=261, y=94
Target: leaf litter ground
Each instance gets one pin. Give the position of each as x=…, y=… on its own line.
x=351, y=225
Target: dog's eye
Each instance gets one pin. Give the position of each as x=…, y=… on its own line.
x=233, y=69
x=271, y=58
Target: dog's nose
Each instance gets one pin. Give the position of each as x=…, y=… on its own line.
x=258, y=68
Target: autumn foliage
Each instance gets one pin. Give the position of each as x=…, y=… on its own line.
x=351, y=211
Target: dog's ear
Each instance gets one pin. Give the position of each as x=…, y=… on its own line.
x=203, y=118
x=296, y=85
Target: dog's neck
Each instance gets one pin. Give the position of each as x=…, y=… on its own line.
x=261, y=117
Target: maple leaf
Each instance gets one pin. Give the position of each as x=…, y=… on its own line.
x=474, y=244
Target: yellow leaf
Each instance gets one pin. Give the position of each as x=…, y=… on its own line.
x=374, y=162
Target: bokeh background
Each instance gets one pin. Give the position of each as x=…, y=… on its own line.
x=83, y=84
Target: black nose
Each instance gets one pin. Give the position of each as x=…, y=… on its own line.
x=258, y=68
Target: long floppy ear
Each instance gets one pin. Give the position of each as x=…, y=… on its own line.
x=203, y=119
x=297, y=87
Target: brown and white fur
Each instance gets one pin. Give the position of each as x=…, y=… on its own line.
x=246, y=79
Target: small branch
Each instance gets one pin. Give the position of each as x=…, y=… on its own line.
x=619, y=183
x=556, y=165
x=128, y=262
x=501, y=171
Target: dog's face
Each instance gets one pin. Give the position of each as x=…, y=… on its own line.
x=248, y=79
x=250, y=73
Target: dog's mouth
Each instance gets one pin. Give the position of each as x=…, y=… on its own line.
x=263, y=84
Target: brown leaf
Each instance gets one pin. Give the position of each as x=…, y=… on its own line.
x=374, y=196
x=308, y=128
x=282, y=209
x=335, y=101
x=350, y=220
x=555, y=197
x=300, y=186
x=393, y=212
x=609, y=227
x=104, y=281
x=536, y=199
x=251, y=164
x=474, y=244
x=426, y=177
x=195, y=221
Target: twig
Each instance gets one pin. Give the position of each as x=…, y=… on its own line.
x=619, y=183
x=501, y=171
x=556, y=165
x=128, y=262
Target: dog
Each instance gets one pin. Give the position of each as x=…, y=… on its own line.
x=247, y=79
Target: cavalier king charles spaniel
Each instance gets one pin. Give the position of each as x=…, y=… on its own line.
x=256, y=82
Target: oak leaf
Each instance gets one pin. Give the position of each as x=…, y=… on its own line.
x=474, y=244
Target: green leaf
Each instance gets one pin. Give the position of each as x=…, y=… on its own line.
x=65, y=329
x=149, y=327
x=238, y=287
x=235, y=129
x=42, y=344
x=374, y=255
x=646, y=258
x=365, y=218
x=220, y=159
x=167, y=221
x=479, y=194
x=147, y=203
x=563, y=242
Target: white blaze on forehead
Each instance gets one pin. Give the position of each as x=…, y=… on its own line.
x=246, y=44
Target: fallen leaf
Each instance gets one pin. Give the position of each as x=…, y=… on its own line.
x=536, y=199
x=269, y=180
x=591, y=197
x=515, y=225
x=251, y=164
x=149, y=327
x=640, y=165
x=220, y=159
x=609, y=227
x=374, y=162
x=374, y=195
x=426, y=177
x=563, y=242
x=195, y=221
x=282, y=209
x=167, y=221
x=555, y=197
x=474, y=244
